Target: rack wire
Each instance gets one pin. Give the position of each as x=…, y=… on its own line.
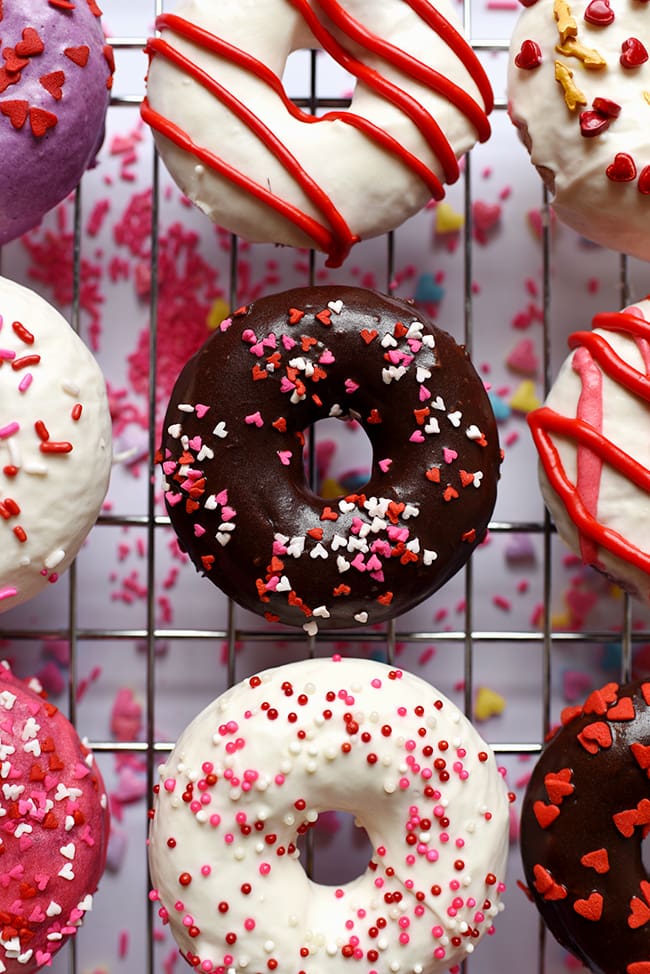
x=467, y=637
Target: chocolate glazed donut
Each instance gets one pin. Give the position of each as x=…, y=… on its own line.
x=585, y=813
x=233, y=465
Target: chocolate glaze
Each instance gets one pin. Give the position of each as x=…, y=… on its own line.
x=589, y=796
x=265, y=538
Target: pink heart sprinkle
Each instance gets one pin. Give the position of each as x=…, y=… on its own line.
x=384, y=465
x=285, y=457
x=254, y=419
x=228, y=513
x=173, y=499
x=221, y=497
x=288, y=342
x=327, y=358
x=351, y=386
x=199, y=530
x=424, y=394
x=449, y=455
x=249, y=336
x=201, y=410
x=417, y=437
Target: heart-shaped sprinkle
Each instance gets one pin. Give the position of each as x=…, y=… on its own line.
x=594, y=736
x=623, y=710
x=368, y=335
x=325, y=317
x=529, y=56
x=31, y=43
x=606, y=107
x=626, y=821
x=633, y=53
x=546, y=885
x=593, y=123
x=641, y=754
x=558, y=785
x=78, y=55
x=640, y=913
x=545, y=814
x=599, y=13
x=591, y=908
x=16, y=111
x=643, y=184
x=622, y=169
x=598, y=701
x=41, y=121
x=598, y=860
x=53, y=83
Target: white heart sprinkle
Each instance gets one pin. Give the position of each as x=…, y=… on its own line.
x=66, y=871
x=175, y=430
x=361, y=617
x=455, y=418
x=223, y=538
x=68, y=850
x=53, y=909
x=284, y=585
x=311, y=627
x=342, y=564
x=318, y=551
x=220, y=430
x=428, y=556
x=321, y=612
x=335, y=306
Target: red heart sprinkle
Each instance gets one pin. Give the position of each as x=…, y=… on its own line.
x=623, y=710
x=53, y=83
x=595, y=736
x=546, y=885
x=31, y=43
x=641, y=754
x=599, y=13
x=622, y=170
x=591, y=908
x=41, y=120
x=13, y=63
x=598, y=701
x=16, y=111
x=545, y=814
x=368, y=336
x=606, y=107
x=324, y=316
x=625, y=822
x=529, y=56
x=639, y=967
x=295, y=314
x=598, y=860
x=643, y=184
x=558, y=786
x=78, y=55
x=640, y=913
x=593, y=124
x=633, y=53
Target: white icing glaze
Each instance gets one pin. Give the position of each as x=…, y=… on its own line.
x=49, y=500
x=619, y=504
x=337, y=156
x=613, y=214
x=296, y=740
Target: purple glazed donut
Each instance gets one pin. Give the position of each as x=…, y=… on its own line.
x=55, y=78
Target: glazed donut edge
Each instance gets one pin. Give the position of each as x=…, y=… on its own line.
x=250, y=775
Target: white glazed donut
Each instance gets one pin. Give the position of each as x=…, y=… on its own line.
x=55, y=443
x=578, y=83
x=594, y=461
x=251, y=774
x=270, y=171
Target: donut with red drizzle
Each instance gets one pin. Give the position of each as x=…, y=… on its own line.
x=594, y=465
x=55, y=826
x=234, y=472
x=271, y=170
x=584, y=817
x=577, y=90
x=56, y=74
x=251, y=774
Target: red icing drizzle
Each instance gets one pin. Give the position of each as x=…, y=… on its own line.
x=596, y=449
x=334, y=236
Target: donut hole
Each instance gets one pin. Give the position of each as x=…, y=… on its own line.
x=338, y=457
x=336, y=850
x=331, y=81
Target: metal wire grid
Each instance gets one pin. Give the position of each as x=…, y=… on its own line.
x=468, y=637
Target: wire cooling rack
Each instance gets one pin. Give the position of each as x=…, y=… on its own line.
x=528, y=660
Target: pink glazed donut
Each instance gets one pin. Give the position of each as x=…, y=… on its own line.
x=252, y=773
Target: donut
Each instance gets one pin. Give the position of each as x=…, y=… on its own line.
x=55, y=78
x=578, y=77
x=594, y=466
x=54, y=835
x=272, y=171
x=234, y=474
x=252, y=773
x=55, y=443
x=584, y=816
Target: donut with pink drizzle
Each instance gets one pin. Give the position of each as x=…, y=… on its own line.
x=252, y=773
x=594, y=462
x=56, y=73
x=274, y=171
x=234, y=472
x=584, y=819
x=54, y=831
x=55, y=443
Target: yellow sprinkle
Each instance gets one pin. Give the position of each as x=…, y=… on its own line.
x=573, y=97
x=488, y=704
x=524, y=398
x=561, y=621
x=447, y=219
x=566, y=24
x=217, y=313
x=646, y=95
x=589, y=56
